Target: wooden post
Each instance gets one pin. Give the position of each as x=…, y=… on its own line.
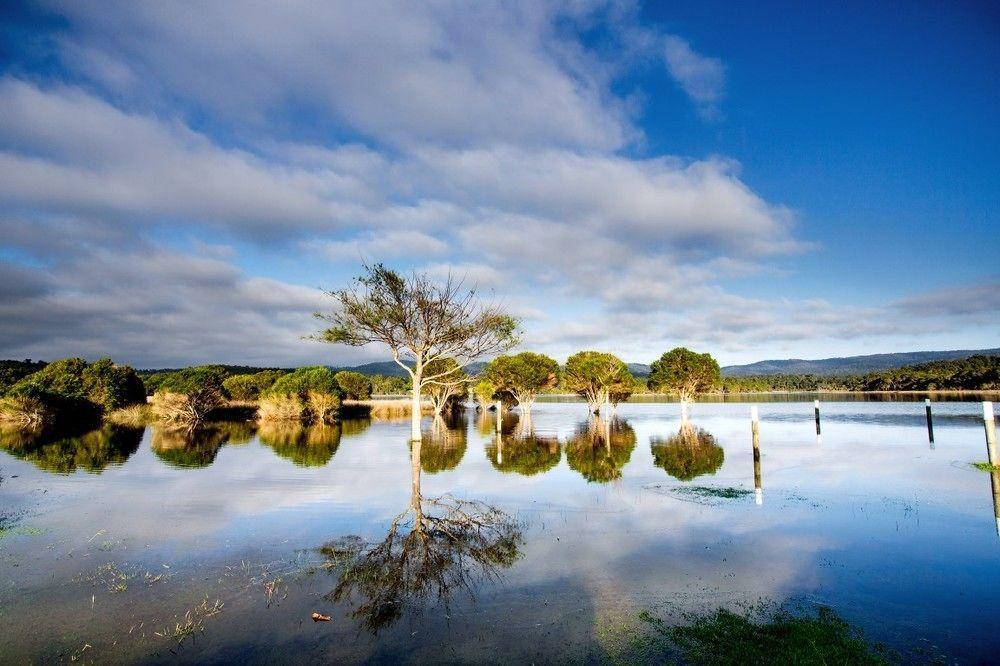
x=991, y=433
x=816, y=409
x=758, y=492
x=930, y=421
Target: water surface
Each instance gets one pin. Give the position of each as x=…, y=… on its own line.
x=541, y=544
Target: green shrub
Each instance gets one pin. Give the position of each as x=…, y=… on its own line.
x=354, y=385
x=307, y=394
x=188, y=396
x=317, y=379
x=249, y=387
x=73, y=388
x=11, y=372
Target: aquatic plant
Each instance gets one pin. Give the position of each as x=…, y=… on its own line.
x=725, y=637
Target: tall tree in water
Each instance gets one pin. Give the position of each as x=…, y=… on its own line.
x=684, y=372
x=420, y=321
x=523, y=376
x=594, y=375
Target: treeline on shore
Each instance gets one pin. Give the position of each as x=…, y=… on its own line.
x=34, y=393
x=976, y=373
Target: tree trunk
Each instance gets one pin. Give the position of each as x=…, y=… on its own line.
x=415, y=407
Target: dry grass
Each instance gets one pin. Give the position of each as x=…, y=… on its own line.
x=135, y=416
x=280, y=408
x=389, y=409
x=23, y=412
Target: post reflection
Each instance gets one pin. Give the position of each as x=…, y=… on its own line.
x=995, y=487
x=433, y=549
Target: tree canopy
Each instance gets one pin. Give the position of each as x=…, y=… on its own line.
x=594, y=375
x=684, y=372
x=420, y=321
x=355, y=385
x=522, y=376
x=250, y=386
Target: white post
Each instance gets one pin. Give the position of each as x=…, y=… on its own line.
x=991, y=433
x=499, y=415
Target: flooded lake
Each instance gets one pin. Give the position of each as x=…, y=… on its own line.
x=543, y=544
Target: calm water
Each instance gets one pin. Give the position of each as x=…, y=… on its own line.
x=113, y=537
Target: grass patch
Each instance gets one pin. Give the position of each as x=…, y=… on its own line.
x=713, y=492
x=135, y=416
x=725, y=637
x=985, y=467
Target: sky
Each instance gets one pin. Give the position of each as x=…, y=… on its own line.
x=179, y=182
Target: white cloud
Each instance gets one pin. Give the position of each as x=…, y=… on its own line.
x=702, y=78
x=396, y=71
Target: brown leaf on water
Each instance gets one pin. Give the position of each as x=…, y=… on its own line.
x=317, y=617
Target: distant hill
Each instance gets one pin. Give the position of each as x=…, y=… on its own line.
x=849, y=365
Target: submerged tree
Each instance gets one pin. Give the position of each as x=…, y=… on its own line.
x=684, y=372
x=600, y=448
x=420, y=321
x=690, y=453
x=594, y=375
x=522, y=376
x=433, y=549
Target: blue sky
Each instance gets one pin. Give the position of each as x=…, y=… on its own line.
x=757, y=181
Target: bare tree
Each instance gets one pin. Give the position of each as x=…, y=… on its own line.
x=420, y=321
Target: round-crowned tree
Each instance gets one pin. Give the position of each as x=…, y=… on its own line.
x=594, y=375
x=355, y=385
x=522, y=376
x=685, y=373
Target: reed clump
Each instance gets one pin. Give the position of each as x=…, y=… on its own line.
x=134, y=416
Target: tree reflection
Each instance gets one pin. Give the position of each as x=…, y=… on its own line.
x=526, y=453
x=306, y=445
x=195, y=447
x=600, y=448
x=444, y=443
x=62, y=452
x=433, y=549
x=690, y=453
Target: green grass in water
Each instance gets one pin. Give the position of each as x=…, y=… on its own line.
x=725, y=637
x=708, y=491
x=986, y=467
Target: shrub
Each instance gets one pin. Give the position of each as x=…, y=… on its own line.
x=249, y=387
x=305, y=394
x=73, y=388
x=188, y=396
x=112, y=386
x=355, y=385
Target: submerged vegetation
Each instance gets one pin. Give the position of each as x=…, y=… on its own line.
x=778, y=637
